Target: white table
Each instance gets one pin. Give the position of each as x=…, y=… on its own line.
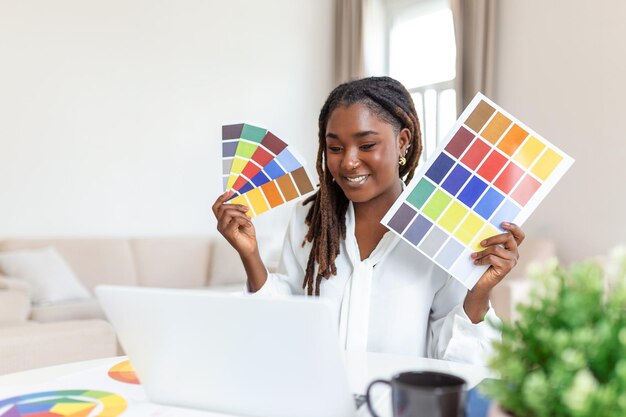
x=362, y=369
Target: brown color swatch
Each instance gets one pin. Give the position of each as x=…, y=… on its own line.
x=302, y=181
x=286, y=186
x=479, y=116
x=496, y=128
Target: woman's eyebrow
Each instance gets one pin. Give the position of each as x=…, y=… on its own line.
x=331, y=135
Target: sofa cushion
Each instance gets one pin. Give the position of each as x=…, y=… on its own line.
x=52, y=280
x=69, y=310
x=172, y=262
x=94, y=261
x=33, y=345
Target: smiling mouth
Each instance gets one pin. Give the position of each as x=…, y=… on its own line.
x=360, y=179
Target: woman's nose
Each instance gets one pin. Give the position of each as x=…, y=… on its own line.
x=351, y=161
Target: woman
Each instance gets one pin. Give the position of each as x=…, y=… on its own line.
x=386, y=296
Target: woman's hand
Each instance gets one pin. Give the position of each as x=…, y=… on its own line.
x=235, y=226
x=501, y=254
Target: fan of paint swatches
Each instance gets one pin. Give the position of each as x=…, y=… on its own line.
x=260, y=169
x=490, y=168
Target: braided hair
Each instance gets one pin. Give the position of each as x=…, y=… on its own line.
x=392, y=103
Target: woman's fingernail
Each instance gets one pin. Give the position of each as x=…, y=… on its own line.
x=244, y=208
x=483, y=243
x=506, y=224
x=474, y=255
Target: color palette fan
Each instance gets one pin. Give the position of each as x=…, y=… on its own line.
x=490, y=168
x=260, y=169
x=124, y=372
x=67, y=403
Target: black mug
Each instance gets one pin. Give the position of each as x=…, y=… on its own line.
x=424, y=394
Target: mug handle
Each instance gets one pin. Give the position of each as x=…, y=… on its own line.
x=367, y=394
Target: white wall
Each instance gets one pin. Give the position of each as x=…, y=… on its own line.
x=111, y=111
x=561, y=68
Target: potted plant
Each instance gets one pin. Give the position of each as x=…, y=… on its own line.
x=566, y=355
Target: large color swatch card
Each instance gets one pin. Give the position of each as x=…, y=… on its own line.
x=490, y=168
x=260, y=169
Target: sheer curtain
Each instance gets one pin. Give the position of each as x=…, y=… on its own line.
x=475, y=32
x=349, y=56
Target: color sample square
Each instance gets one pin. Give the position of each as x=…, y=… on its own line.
x=452, y=216
x=479, y=116
x=492, y=165
x=259, y=179
x=253, y=133
x=476, y=153
x=246, y=149
x=525, y=189
x=436, y=205
x=456, y=179
x=287, y=187
x=420, y=193
x=546, y=164
x=249, y=171
x=417, y=230
x=469, y=228
x=506, y=213
x=229, y=148
x=512, y=140
x=433, y=242
x=459, y=142
x=288, y=161
x=487, y=232
x=402, y=218
x=262, y=157
x=466, y=271
x=488, y=203
x=449, y=253
x=302, y=180
x=232, y=131
x=272, y=195
x=273, y=144
x=529, y=151
x=439, y=169
x=496, y=127
x=257, y=201
x=248, y=186
x=472, y=191
x=508, y=177
x=273, y=170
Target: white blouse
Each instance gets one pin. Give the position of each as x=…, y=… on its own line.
x=396, y=301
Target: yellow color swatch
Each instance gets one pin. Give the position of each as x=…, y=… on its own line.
x=114, y=405
x=257, y=201
x=496, y=128
x=241, y=199
x=487, y=232
x=238, y=166
x=546, y=164
x=468, y=229
x=452, y=216
x=529, y=151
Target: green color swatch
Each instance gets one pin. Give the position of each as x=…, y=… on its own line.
x=420, y=193
x=437, y=204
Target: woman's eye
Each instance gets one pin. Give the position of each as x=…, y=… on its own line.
x=367, y=146
x=334, y=148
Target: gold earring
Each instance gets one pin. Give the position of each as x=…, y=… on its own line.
x=402, y=161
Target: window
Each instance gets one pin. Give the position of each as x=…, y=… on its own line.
x=422, y=56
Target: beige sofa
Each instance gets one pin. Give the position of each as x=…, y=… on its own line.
x=39, y=335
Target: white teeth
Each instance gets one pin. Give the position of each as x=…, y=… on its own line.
x=357, y=179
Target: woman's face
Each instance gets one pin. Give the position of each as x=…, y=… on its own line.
x=362, y=153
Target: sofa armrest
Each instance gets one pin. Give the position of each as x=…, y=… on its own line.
x=14, y=300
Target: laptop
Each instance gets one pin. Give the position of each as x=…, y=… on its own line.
x=234, y=354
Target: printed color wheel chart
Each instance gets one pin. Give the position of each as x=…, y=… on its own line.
x=68, y=403
x=260, y=169
x=490, y=168
x=124, y=372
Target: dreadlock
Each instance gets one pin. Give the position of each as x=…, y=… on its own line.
x=390, y=101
